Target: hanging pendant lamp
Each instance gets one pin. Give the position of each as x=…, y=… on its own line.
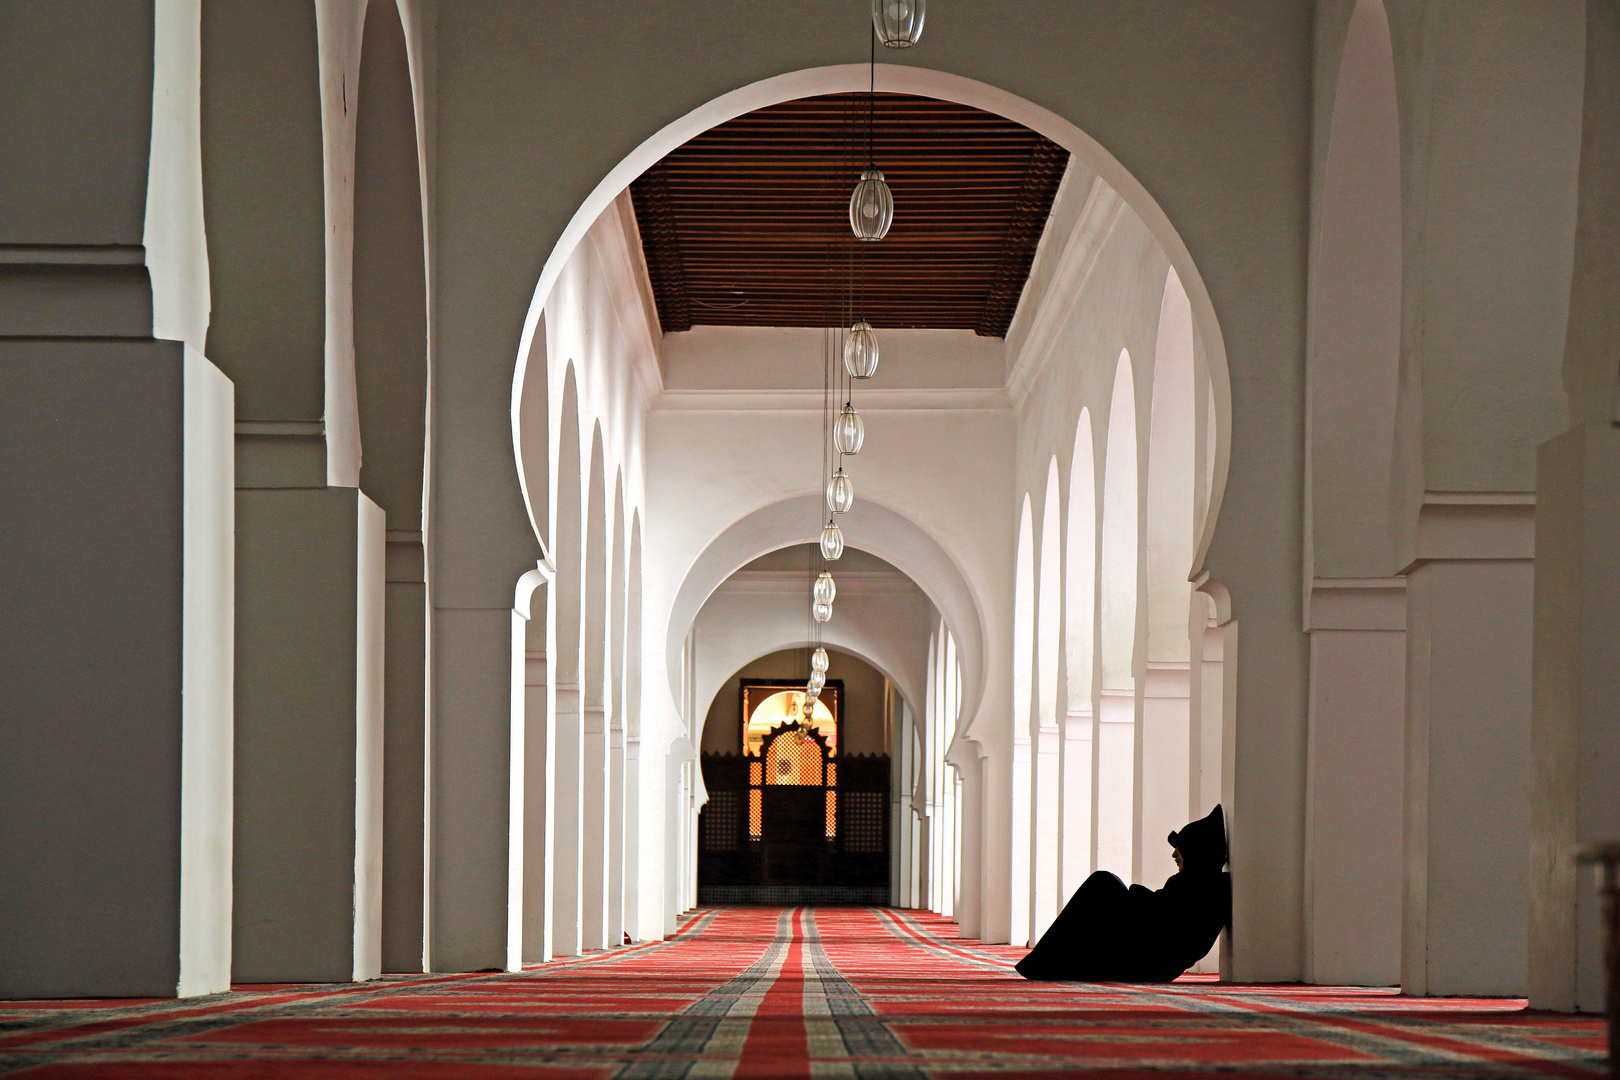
x=898, y=23
x=871, y=206
x=817, y=682
x=849, y=432
x=832, y=541
x=810, y=699
x=826, y=590
x=861, y=351
x=818, y=660
x=822, y=612
x=840, y=492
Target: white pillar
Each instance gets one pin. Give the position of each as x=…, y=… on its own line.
x=1163, y=767
x=1114, y=782
x=539, y=788
x=568, y=740
x=1354, y=787
x=116, y=668
x=615, y=840
x=309, y=736
x=1468, y=775
x=594, y=829
x=1079, y=730
x=1576, y=699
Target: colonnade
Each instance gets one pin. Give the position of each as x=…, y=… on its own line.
x=926, y=848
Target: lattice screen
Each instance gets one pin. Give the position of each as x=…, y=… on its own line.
x=722, y=820
x=793, y=760
x=865, y=822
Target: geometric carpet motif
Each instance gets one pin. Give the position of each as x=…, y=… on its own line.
x=791, y=992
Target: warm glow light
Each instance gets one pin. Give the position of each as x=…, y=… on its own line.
x=773, y=712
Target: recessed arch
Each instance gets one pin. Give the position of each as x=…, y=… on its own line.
x=847, y=78
x=877, y=529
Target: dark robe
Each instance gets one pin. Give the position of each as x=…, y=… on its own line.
x=1108, y=933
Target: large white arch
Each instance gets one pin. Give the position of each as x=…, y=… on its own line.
x=876, y=529
x=1115, y=784
x=849, y=78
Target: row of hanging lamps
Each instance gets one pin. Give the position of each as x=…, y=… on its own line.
x=898, y=25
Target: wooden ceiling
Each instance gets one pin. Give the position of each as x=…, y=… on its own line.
x=748, y=224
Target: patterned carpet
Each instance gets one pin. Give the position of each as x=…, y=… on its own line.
x=799, y=992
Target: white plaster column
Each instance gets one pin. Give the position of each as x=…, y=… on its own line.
x=1468, y=773
x=1164, y=791
x=1354, y=781
x=594, y=828
x=1114, y=783
x=1079, y=730
x=539, y=787
x=970, y=892
x=1575, y=737
x=632, y=843
x=567, y=832
x=309, y=736
x=115, y=669
x=615, y=839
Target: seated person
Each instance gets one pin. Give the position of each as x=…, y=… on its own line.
x=1108, y=933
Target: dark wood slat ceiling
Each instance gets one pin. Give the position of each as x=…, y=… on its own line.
x=748, y=224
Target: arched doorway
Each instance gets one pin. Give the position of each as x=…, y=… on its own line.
x=798, y=794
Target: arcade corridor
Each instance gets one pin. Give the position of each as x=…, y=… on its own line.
x=791, y=992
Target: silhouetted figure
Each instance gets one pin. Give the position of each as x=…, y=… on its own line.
x=1108, y=933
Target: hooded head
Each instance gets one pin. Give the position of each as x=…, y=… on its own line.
x=1202, y=843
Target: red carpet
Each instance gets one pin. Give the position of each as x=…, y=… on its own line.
x=828, y=992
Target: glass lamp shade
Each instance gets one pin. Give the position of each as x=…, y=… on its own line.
x=826, y=590
x=898, y=23
x=832, y=542
x=821, y=611
x=818, y=660
x=817, y=681
x=871, y=206
x=810, y=697
x=840, y=493
x=849, y=432
x=861, y=351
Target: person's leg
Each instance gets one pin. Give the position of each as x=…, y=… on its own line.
x=1085, y=939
